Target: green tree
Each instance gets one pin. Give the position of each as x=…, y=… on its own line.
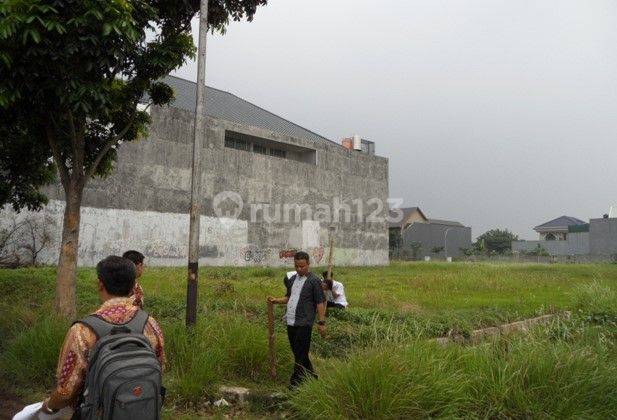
x=72, y=73
x=495, y=241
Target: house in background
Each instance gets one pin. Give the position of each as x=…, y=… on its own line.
x=415, y=236
x=407, y=216
x=569, y=236
x=557, y=229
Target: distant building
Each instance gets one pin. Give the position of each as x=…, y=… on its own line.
x=416, y=236
x=569, y=236
x=557, y=229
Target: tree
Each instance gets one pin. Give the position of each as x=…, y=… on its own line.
x=72, y=73
x=495, y=241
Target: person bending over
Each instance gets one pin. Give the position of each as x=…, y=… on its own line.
x=335, y=292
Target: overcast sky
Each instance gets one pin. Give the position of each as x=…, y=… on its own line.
x=495, y=113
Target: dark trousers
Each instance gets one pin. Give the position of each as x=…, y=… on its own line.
x=331, y=304
x=300, y=341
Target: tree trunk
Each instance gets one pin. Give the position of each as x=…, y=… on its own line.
x=67, y=263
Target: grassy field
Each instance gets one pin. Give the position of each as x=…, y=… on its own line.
x=375, y=362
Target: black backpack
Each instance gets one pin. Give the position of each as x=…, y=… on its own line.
x=124, y=379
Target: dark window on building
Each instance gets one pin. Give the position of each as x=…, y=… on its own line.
x=268, y=147
x=236, y=143
x=278, y=153
x=257, y=148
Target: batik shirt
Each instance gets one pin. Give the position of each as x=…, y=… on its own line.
x=80, y=339
x=138, y=295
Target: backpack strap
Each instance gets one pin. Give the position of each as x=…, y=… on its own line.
x=102, y=328
x=137, y=325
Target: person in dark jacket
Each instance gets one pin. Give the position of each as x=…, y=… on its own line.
x=305, y=301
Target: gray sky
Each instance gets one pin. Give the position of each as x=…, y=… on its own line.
x=496, y=113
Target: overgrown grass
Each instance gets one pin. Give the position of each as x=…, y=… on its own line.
x=375, y=362
x=511, y=377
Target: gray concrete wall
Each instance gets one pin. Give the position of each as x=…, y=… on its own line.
x=603, y=237
x=144, y=203
x=432, y=235
x=576, y=244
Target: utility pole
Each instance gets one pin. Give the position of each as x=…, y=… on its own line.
x=198, y=138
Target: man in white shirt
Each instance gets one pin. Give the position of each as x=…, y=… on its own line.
x=335, y=292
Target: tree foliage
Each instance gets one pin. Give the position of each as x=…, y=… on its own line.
x=495, y=241
x=71, y=75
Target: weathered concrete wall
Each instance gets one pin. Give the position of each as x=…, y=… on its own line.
x=603, y=237
x=576, y=244
x=144, y=203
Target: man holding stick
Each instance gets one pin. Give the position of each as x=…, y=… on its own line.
x=305, y=300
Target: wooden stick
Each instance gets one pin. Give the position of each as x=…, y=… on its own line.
x=330, y=255
x=271, y=341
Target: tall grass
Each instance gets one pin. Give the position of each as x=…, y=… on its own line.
x=29, y=361
x=220, y=348
x=512, y=377
x=375, y=362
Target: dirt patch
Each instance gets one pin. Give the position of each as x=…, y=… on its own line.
x=9, y=405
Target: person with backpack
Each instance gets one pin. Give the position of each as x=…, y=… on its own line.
x=111, y=362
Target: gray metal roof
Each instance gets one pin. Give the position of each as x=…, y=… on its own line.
x=561, y=222
x=445, y=222
x=226, y=106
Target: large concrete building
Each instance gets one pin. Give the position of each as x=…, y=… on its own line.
x=269, y=187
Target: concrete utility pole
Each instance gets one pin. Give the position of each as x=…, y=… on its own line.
x=199, y=136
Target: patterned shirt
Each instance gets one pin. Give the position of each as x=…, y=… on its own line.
x=73, y=360
x=138, y=295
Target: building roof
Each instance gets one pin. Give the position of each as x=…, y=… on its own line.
x=445, y=222
x=407, y=211
x=560, y=223
x=226, y=106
